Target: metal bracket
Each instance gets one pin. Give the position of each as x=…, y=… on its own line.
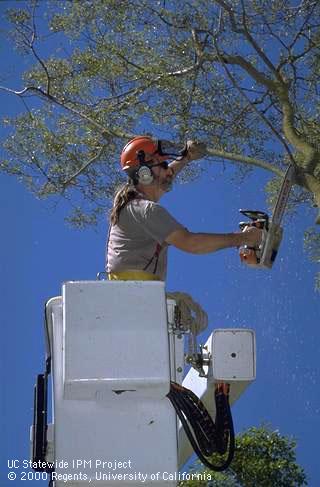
x=198, y=360
x=175, y=326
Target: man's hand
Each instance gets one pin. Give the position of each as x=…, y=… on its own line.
x=195, y=150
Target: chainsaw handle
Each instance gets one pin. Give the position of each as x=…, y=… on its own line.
x=248, y=255
x=255, y=214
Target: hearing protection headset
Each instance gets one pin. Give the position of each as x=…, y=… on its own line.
x=143, y=175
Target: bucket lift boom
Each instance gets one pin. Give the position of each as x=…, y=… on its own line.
x=113, y=349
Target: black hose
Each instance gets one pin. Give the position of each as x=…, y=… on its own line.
x=206, y=436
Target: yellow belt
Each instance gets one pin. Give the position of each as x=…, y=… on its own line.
x=132, y=276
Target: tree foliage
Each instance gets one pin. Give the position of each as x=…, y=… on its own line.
x=241, y=76
x=263, y=458
x=312, y=246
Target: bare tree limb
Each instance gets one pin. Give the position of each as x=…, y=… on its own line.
x=103, y=130
x=257, y=75
x=256, y=47
x=83, y=168
x=251, y=161
x=306, y=20
x=261, y=115
x=298, y=141
x=33, y=38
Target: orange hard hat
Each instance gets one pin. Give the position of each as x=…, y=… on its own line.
x=139, y=150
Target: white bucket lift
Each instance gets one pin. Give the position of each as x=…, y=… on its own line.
x=113, y=348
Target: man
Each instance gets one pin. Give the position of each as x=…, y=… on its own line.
x=141, y=230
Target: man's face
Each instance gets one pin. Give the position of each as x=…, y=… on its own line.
x=163, y=177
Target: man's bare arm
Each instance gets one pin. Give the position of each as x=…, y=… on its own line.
x=196, y=150
x=205, y=243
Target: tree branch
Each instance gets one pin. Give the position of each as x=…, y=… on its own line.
x=306, y=20
x=103, y=130
x=251, y=161
x=256, y=47
x=246, y=66
x=298, y=141
x=33, y=38
x=83, y=168
x=261, y=115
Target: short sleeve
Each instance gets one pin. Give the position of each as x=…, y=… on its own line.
x=157, y=222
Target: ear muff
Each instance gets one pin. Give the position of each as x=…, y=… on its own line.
x=144, y=175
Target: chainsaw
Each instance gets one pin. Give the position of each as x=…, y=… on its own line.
x=265, y=254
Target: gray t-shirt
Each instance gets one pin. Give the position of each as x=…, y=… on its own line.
x=137, y=241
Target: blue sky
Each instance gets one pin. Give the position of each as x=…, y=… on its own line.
x=39, y=252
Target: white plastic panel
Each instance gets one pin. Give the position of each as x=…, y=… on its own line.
x=115, y=339
x=233, y=355
x=96, y=425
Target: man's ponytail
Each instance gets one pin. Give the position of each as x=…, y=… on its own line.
x=126, y=193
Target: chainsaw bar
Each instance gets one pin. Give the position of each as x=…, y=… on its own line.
x=273, y=237
x=283, y=195
x=265, y=255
